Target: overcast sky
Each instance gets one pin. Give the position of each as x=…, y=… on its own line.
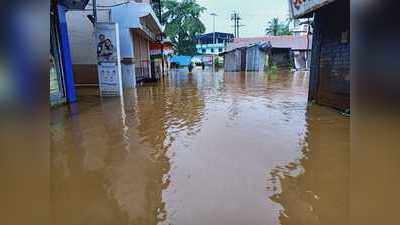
x=255, y=14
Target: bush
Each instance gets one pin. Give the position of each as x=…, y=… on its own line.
x=273, y=69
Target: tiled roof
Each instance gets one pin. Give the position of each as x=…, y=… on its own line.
x=286, y=41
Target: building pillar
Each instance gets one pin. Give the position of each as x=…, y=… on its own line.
x=149, y=58
x=69, y=81
x=315, y=56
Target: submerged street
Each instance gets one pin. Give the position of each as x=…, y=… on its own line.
x=201, y=149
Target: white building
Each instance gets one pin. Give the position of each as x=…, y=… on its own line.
x=138, y=26
x=213, y=43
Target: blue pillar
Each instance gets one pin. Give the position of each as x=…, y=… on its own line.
x=66, y=55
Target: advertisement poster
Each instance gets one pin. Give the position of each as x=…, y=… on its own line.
x=108, y=59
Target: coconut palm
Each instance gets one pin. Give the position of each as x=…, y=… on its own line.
x=276, y=27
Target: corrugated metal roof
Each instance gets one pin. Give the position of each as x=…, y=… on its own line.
x=286, y=41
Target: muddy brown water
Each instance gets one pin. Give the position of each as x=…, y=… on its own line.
x=201, y=149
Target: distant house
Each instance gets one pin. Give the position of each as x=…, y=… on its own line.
x=284, y=50
x=257, y=56
x=235, y=59
x=207, y=46
x=330, y=60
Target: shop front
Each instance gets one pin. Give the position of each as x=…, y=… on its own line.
x=61, y=78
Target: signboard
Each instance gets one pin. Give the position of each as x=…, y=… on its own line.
x=300, y=8
x=108, y=58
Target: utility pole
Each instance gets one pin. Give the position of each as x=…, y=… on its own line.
x=235, y=17
x=214, y=39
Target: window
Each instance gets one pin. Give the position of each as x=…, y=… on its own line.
x=220, y=50
x=203, y=50
x=212, y=50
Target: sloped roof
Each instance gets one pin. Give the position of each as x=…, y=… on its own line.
x=128, y=15
x=286, y=41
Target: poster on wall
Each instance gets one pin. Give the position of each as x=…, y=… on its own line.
x=300, y=8
x=108, y=59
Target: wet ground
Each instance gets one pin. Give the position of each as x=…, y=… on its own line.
x=202, y=149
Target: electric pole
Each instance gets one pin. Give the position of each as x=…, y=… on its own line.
x=235, y=17
x=214, y=15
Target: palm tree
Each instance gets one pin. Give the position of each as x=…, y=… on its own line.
x=276, y=28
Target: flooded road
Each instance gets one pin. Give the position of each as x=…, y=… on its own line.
x=202, y=149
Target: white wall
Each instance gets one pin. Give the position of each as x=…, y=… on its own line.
x=81, y=31
x=81, y=38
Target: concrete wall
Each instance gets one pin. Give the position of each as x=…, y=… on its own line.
x=82, y=41
x=218, y=48
x=330, y=62
x=83, y=50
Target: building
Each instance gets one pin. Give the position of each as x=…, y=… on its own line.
x=285, y=51
x=159, y=53
x=300, y=27
x=235, y=59
x=257, y=56
x=138, y=28
x=62, y=83
x=330, y=60
x=206, y=45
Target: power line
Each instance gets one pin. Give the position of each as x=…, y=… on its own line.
x=235, y=17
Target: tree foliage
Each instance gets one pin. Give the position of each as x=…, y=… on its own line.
x=183, y=24
x=277, y=28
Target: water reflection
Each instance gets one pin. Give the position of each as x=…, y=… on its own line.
x=193, y=149
x=109, y=156
x=314, y=188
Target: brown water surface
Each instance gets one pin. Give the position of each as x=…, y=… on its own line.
x=201, y=149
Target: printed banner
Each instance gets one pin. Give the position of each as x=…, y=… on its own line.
x=108, y=57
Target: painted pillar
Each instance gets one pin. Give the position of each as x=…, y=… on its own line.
x=149, y=59
x=66, y=55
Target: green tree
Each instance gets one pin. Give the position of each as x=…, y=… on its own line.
x=183, y=24
x=277, y=28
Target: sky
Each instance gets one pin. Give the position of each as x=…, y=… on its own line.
x=254, y=13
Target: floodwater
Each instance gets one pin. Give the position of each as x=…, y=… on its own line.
x=201, y=149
